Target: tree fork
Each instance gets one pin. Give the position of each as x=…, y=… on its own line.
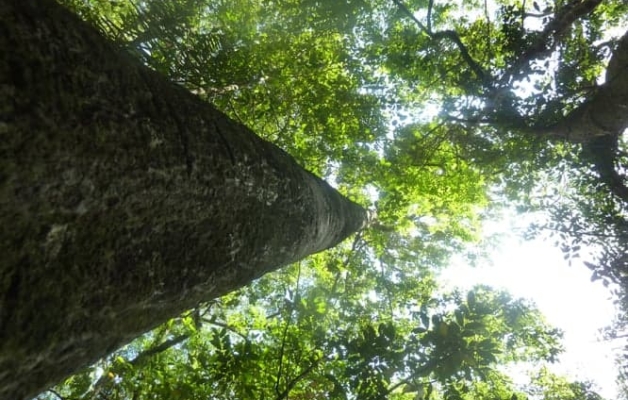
x=125, y=200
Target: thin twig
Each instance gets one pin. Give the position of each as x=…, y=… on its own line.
x=285, y=334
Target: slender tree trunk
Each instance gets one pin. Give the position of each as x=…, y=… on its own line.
x=125, y=200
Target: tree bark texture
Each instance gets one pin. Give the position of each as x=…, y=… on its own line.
x=125, y=200
x=599, y=122
x=605, y=113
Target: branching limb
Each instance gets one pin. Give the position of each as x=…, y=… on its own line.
x=537, y=15
x=406, y=10
x=153, y=351
x=283, y=341
x=57, y=395
x=464, y=52
x=551, y=35
x=446, y=34
x=226, y=326
x=145, y=355
x=284, y=394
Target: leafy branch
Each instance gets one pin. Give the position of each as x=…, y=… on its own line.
x=56, y=394
x=227, y=327
x=141, y=358
x=285, y=335
x=153, y=351
x=296, y=379
x=548, y=39
x=451, y=35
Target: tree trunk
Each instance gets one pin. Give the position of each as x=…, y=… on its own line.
x=600, y=121
x=125, y=200
x=606, y=112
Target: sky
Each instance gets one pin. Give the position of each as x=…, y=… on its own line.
x=536, y=270
x=565, y=294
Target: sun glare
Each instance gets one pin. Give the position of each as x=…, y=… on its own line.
x=536, y=270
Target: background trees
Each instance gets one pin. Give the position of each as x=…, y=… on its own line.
x=431, y=113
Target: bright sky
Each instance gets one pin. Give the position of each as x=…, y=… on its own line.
x=536, y=270
x=565, y=295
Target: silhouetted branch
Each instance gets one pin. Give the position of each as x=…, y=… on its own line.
x=283, y=341
x=284, y=395
x=409, y=13
x=56, y=394
x=547, y=40
x=146, y=354
x=225, y=326
x=446, y=34
x=429, y=15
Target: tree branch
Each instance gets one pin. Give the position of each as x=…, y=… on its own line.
x=97, y=387
x=464, y=52
x=225, y=326
x=429, y=15
x=283, y=339
x=146, y=354
x=550, y=36
x=56, y=394
x=446, y=34
x=407, y=11
x=283, y=395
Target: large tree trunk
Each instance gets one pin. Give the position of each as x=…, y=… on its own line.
x=599, y=122
x=125, y=200
x=605, y=113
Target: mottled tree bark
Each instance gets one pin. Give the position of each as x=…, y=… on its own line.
x=125, y=200
x=600, y=121
x=605, y=113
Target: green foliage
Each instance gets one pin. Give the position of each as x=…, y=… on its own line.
x=552, y=387
x=311, y=348
x=429, y=113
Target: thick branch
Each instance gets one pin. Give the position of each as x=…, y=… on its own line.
x=606, y=112
x=464, y=52
x=551, y=35
x=598, y=123
x=410, y=15
x=446, y=34
x=160, y=348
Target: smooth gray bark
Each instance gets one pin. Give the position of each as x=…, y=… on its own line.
x=125, y=200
